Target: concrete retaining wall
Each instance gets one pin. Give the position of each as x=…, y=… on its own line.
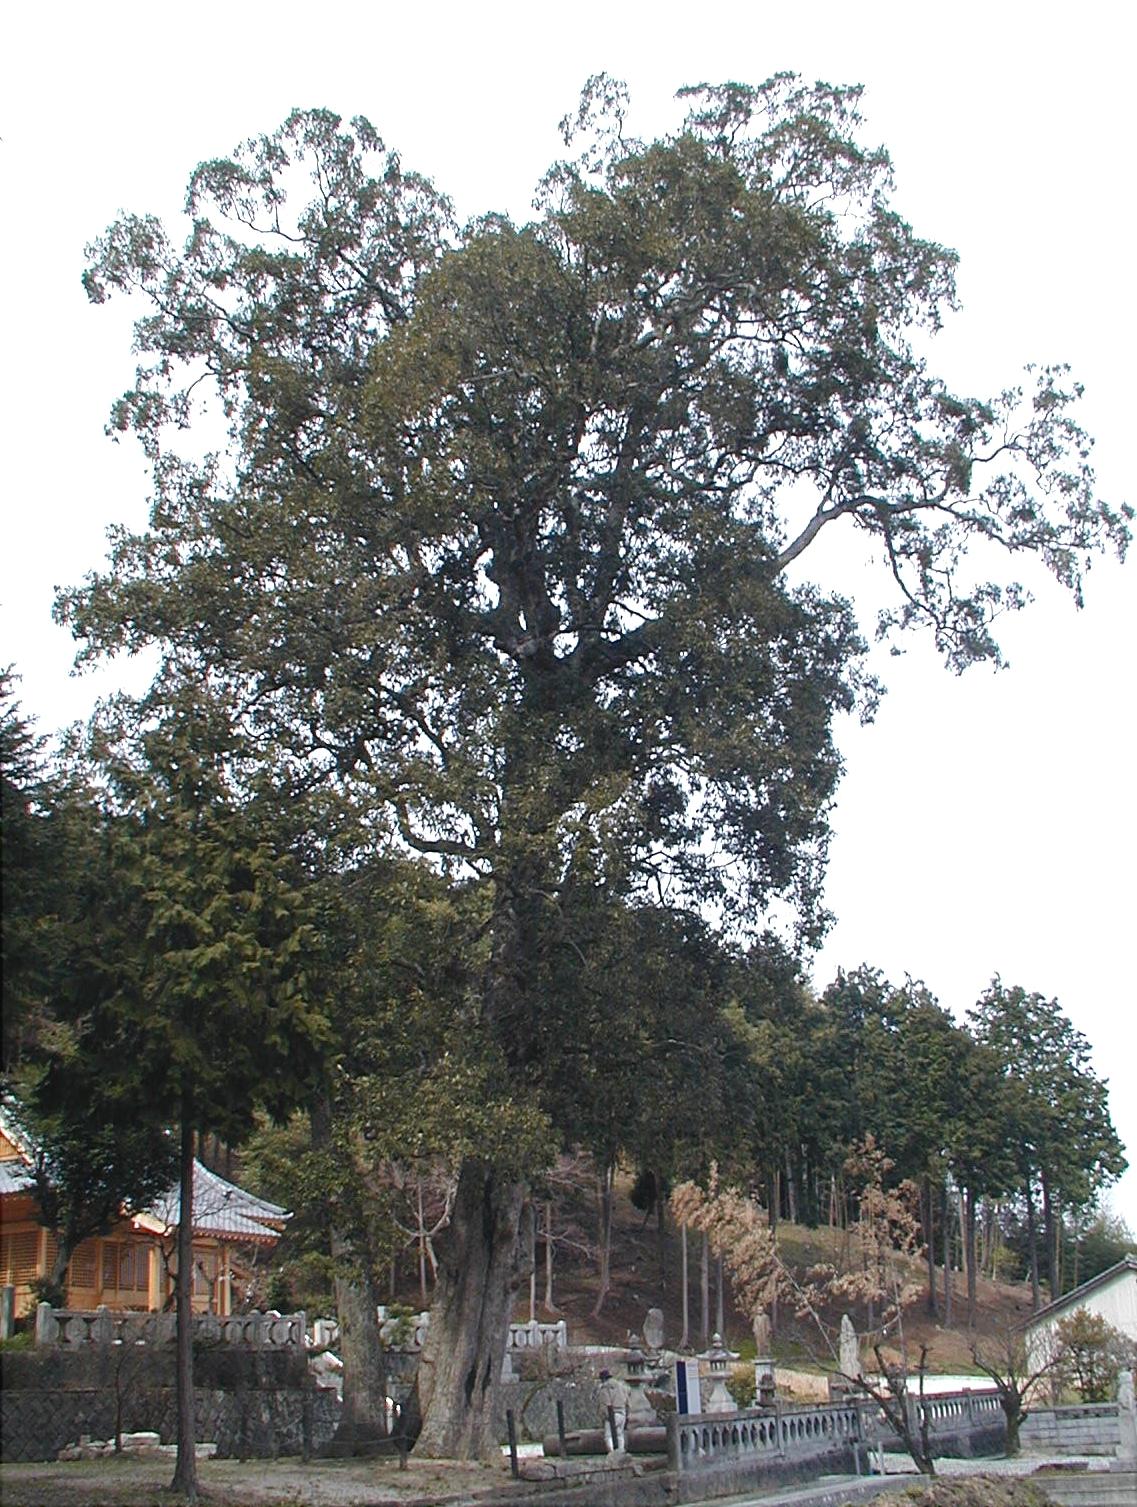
x=255, y=1405
x=1086, y=1429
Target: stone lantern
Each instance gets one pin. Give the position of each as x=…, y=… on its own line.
x=717, y=1359
x=641, y=1414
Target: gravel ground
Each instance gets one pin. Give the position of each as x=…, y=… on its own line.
x=252, y=1483
x=139, y=1481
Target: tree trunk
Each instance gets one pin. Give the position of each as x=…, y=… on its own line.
x=604, y=1248
x=791, y=1192
x=927, y=1211
x=1032, y=1236
x=661, y=1234
x=532, y=1224
x=686, y=1339
x=185, y=1469
x=720, y=1317
x=705, y=1291
x=363, y=1416
x=947, y=1234
x=460, y=1367
x=970, y=1254
x=63, y=1253
x=1052, y=1224
x=550, y=1306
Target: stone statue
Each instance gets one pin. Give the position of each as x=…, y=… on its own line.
x=653, y=1329
x=761, y=1333
x=849, y=1352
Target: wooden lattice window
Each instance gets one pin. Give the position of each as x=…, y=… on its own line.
x=19, y=1254
x=141, y=1268
x=81, y=1272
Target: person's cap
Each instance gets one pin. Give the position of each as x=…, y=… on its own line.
x=605, y=1376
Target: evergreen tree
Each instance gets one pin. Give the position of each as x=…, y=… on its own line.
x=510, y=537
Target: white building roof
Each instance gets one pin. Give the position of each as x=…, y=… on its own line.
x=1078, y=1295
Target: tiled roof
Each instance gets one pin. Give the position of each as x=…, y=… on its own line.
x=13, y=1177
x=220, y=1208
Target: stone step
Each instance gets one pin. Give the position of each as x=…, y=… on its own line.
x=1093, y=1488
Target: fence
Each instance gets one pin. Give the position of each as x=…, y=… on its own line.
x=409, y=1333
x=716, y=1454
x=77, y=1328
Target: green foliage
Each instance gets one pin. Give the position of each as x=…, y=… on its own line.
x=742, y=1386
x=1106, y=1240
x=92, y=1154
x=1091, y=1355
x=504, y=561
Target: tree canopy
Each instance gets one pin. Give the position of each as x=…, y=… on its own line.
x=499, y=541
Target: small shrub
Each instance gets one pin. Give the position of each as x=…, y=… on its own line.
x=740, y=1385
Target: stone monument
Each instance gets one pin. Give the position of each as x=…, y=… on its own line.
x=653, y=1331
x=1127, y=1422
x=849, y=1351
x=764, y=1388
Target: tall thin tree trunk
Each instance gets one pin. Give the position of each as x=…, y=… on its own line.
x=421, y=1249
x=705, y=1290
x=720, y=1316
x=604, y=1251
x=947, y=1237
x=927, y=1212
x=970, y=1254
x=459, y=1374
x=532, y=1261
x=185, y=1468
x=686, y=1337
x=1052, y=1221
x=550, y=1306
x=661, y=1234
x=773, y=1182
x=791, y=1191
x=1032, y=1237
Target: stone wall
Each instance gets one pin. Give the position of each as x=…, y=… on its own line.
x=1086, y=1429
x=250, y=1404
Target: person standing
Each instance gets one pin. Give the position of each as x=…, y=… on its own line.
x=613, y=1394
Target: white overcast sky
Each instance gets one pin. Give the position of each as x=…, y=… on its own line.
x=985, y=824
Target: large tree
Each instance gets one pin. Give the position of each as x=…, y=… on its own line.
x=501, y=539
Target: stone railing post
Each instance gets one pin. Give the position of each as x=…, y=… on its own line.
x=102, y=1329
x=47, y=1327
x=7, y=1311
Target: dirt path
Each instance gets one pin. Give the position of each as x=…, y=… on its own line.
x=254, y=1483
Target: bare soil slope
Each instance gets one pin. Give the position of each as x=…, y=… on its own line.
x=646, y=1273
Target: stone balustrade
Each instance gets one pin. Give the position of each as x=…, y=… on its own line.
x=409, y=1333
x=535, y=1335
x=75, y=1328
x=950, y=1411
x=717, y=1453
